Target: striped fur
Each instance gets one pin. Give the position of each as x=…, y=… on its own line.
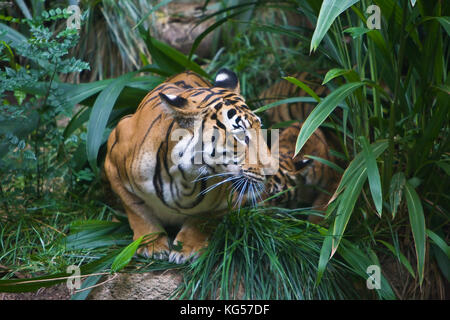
x=155, y=189
x=284, y=89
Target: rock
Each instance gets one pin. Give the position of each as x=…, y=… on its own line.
x=157, y=285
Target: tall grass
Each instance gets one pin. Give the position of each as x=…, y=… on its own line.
x=393, y=82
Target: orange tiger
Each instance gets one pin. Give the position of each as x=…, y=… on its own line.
x=161, y=161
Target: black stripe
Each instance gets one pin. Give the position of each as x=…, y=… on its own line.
x=148, y=130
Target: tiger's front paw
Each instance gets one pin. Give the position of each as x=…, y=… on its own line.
x=189, y=249
x=156, y=249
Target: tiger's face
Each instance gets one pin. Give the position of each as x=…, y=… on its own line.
x=220, y=137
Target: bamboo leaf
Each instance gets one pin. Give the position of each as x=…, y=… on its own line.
x=395, y=191
x=439, y=242
x=357, y=163
x=326, y=162
x=334, y=73
x=99, y=116
x=329, y=11
x=284, y=101
x=124, y=257
x=322, y=111
x=304, y=86
x=346, y=206
x=417, y=221
x=325, y=253
x=373, y=175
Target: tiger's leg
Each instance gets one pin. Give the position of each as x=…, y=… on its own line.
x=155, y=238
x=140, y=217
x=192, y=238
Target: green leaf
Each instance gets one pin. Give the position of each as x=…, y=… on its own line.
x=154, y=8
x=357, y=163
x=334, y=73
x=400, y=256
x=168, y=58
x=33, y=284
x=356, y=32
x=326, y=162
x=322, y=111
x=325, y=253
x=329, y=11
x=373, y=175
x=11, y=36
x=99, y=116
x=445, y=23
x=417, y=221
x=124, y=257
x=346, y=206
x=303, y=86
x=439, y=242
x=284, y=101
x=395, y=191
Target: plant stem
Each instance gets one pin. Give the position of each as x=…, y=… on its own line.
x=395, y=102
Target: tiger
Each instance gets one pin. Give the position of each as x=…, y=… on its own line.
x=304, y=180
x=161, y=162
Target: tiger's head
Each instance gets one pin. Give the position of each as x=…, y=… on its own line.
x=219, y=137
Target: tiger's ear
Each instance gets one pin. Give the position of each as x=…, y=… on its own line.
x=180, y=108
x=173, y=101
x=227, y=79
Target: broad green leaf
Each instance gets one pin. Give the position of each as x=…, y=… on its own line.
x=329, y=11
x=124, y=257
x=373, y=174
x=33, y=284
x=11, y=36
x=357, y=163
x=346, y=206
x=395, y=191
x=417, y=221
x=400, y=256
x=360, y=261
x=356, y=32
x=322, y=111
x=325, y=253
x=439, y=242
x=77, y=121
x=334, y=73
x=168, y=58
x=303, y=86
x=287, y=101
x=99, y=116
x=445, y=23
